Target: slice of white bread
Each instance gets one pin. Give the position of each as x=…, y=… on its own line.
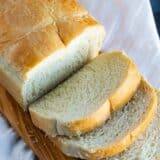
x=147, y=146
x=42, y=43
x=120, y=131
x=85, y=100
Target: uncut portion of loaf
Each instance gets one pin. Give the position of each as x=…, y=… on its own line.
x=85, y=101
x=121, y=130
x=42, y=43
x=147, y=147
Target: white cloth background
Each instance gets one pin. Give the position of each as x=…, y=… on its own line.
x=130, y=27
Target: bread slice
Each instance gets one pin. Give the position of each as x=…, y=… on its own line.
x=147, y=146
x=121, y=130
x=86, y=100
x=42, y=43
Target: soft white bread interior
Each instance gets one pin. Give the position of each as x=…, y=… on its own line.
x=147, y=146
x=85, y=100
x=120, y=131
x=42, y=43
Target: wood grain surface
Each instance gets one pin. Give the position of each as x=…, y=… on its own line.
x=21, y=122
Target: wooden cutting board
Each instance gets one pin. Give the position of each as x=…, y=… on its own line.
x=21, y=121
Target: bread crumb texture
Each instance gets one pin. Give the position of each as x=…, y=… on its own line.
x=130, y=121
x=147, y=146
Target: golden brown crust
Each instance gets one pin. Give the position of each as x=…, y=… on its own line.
x=32, y=30
x=64, y=9
x=92, y=121
x=20, y=17
x=70, y=17
x=131, y=136
x=31, y=50
x=73, y=27
x=128, y=87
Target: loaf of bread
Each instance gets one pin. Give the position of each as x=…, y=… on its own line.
x=85, y=101
x=119, y=132
x=43, y=42
x=102, y=109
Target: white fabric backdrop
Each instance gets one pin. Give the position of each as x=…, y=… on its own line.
x=130, y=27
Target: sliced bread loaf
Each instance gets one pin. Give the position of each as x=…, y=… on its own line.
x=121, y=130
x=42, y=43
x=147, y=146
x=85, y=100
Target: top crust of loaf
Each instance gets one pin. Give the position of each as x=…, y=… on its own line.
x=33, y=30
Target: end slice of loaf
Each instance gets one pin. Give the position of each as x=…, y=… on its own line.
x=120, y=131
x=147, y=146
x=42, y=43
x=85, y=100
